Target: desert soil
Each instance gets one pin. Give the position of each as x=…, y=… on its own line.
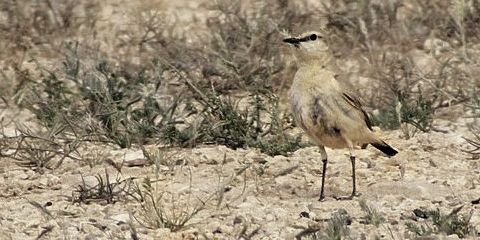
x=244, y=191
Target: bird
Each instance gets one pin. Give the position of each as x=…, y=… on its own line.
x=328, y=112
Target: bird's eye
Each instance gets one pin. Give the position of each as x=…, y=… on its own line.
x=313, y=37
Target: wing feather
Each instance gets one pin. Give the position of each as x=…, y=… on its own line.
x=354, y=102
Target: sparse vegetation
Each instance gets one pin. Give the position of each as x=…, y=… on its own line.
x=336, y=228
x=372, y=216
x=145, y=80
x=474, y=142
x=383, y=41
x=103, y=189
x=437, y=222
x=156, y=213
x=40, y=150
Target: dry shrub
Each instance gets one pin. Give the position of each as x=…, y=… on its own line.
x=176, y=86
x=29, y=24
x=36, y=29
x=388, y=40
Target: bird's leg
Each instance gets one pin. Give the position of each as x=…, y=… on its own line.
x=323, y=153
x=352, y=160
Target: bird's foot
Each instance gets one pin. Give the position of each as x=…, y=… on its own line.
x=322, y=198
x=350, y=197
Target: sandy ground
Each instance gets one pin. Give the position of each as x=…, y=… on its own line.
x=243, y=192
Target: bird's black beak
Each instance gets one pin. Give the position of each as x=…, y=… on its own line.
x=293, y=41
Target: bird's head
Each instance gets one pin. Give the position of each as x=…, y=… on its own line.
x=309, y=46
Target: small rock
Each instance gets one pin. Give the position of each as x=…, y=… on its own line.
x=436, y=45
x=237, y=220
x=121, y=218
x=22, y=175
x=452, y=237
x=89, y=181
x=270, y=218
x=304, y=214
x=138, y=162
x=393, y=221
x=420, y=213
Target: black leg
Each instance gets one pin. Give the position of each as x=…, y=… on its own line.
x=352, y=159
x=324, y=170
x=354, y=189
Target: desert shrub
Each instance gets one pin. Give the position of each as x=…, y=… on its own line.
x=105, y=190
x=238, y=49
x=474, y=127
x=382, y=36
x=178, y=87
x=35, y=29
x=261, y=125
x=245, y=52
x=39, y=150
x=103, y=103
x=452, y=223
x=335, y=229
x=158, y=212
x=372, y=215
x=30, y=25
x=130, y=103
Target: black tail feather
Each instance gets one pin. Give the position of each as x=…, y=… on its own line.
x=385, y=148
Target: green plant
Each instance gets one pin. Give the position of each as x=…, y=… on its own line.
x=157, y=213
x=259, y=125
x=40, y=150
x=337, y=226
x=336, y=229
x=452, y=223
x=416, y=111
x=474, y=142
x=372, y=216
x=104, y=190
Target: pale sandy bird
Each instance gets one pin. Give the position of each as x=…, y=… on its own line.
x=330, y=114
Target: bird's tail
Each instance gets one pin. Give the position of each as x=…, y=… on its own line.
x=385, y=148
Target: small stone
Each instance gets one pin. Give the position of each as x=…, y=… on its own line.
x=138, y=162
x=305, y=214
x=22, y=176
x=121, y=218
x=393, y=221
x=89, y=181
x=452, y=237
x=237, y=220
x=420, y=213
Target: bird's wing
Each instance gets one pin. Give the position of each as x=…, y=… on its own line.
x=354, y=102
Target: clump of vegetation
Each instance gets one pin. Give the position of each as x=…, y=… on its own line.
x=127, y=105
x=260, y=125
x=40, y=150
x=474, y=108
x=405, y=109
x=156, y=213
x=381, y=41
x=372, y=216
x=474, y=142
x=336, y=229
x=104, y=190
x=437, y=222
